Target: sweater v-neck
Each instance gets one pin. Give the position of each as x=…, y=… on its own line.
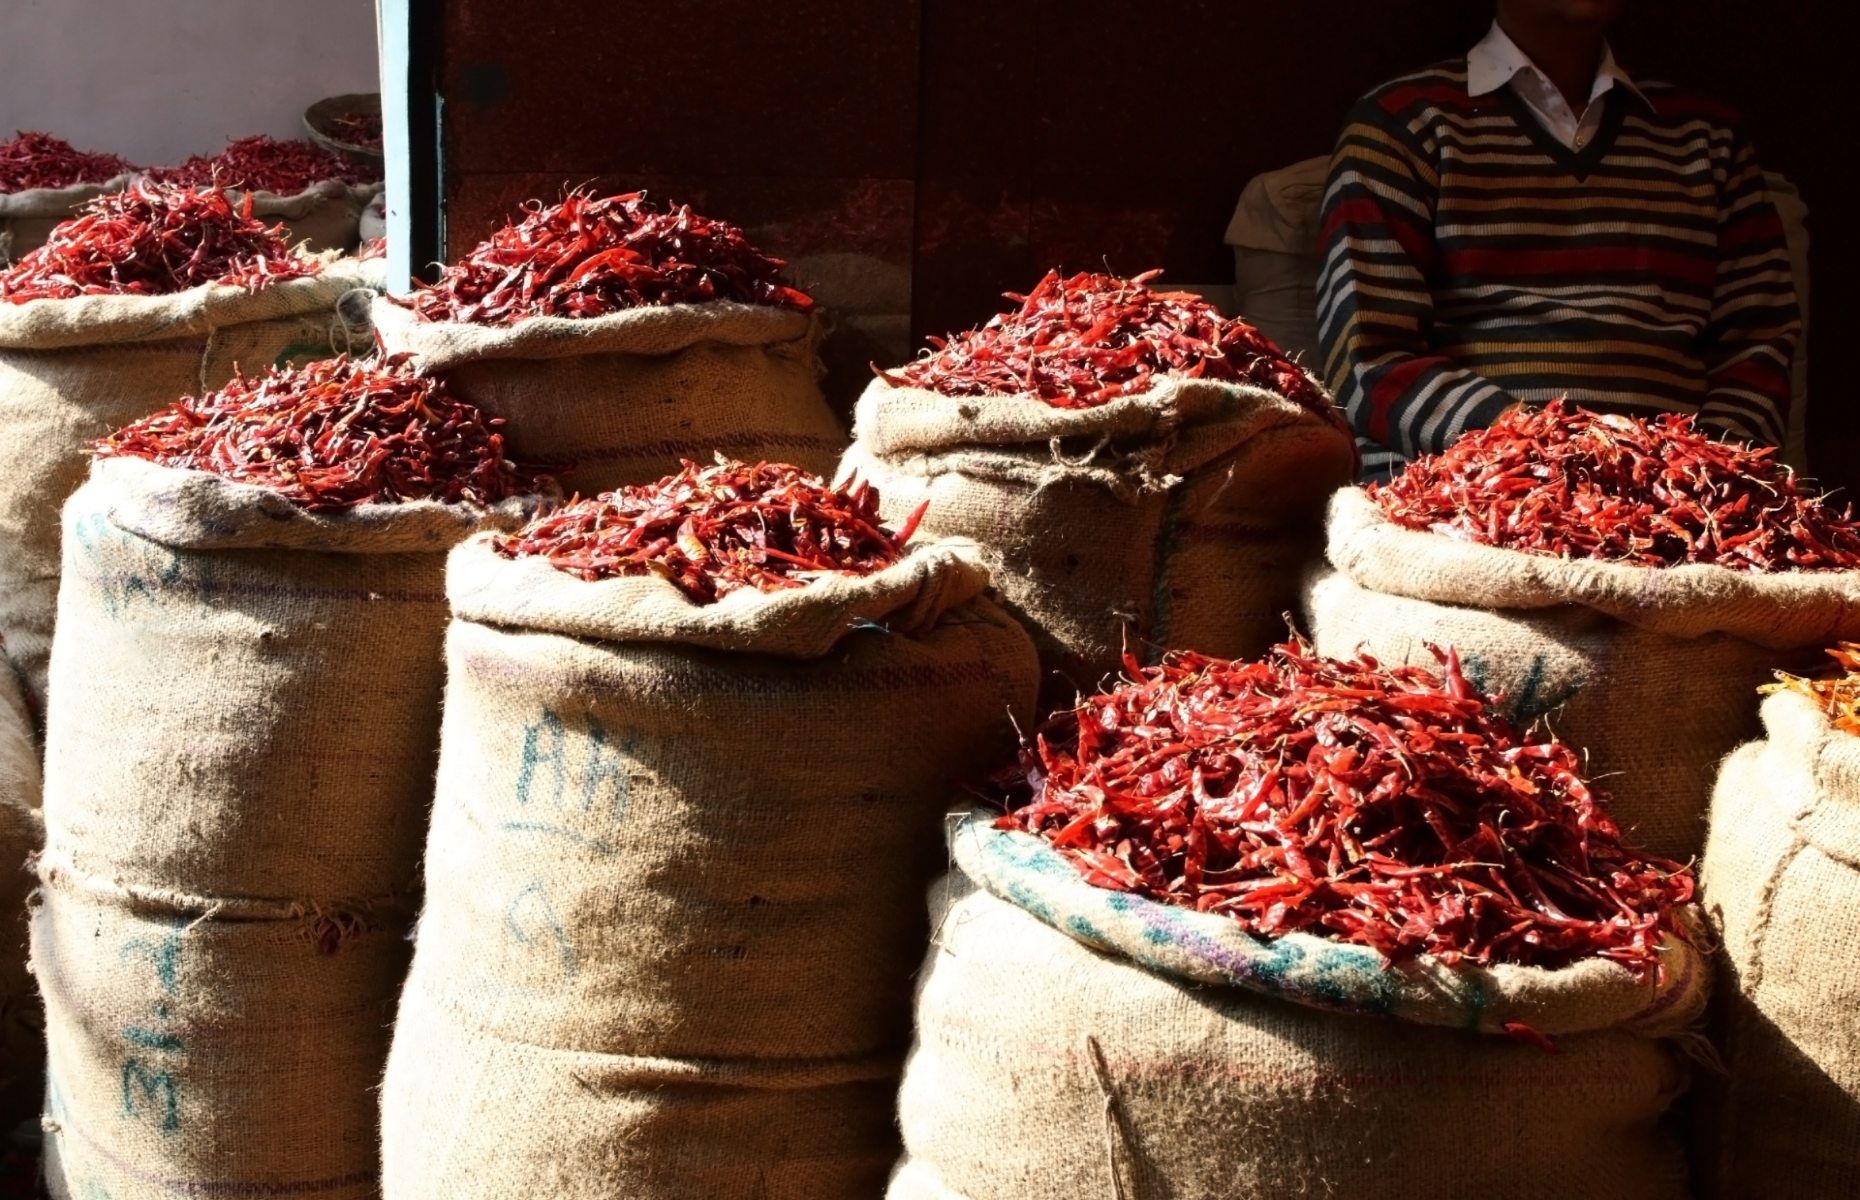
x=1579, y=163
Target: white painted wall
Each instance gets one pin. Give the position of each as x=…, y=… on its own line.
x=158, y=80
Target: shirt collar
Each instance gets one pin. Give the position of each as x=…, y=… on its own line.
x=1491, y=64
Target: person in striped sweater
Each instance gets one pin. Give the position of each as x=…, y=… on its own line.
x=1529, y=222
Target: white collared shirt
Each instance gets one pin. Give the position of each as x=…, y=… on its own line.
x=1497, y=61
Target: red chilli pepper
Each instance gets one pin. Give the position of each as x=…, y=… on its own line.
x=712, y=531
x=588, y=257
x=265, y=164
x=1084, y=341
x=39, y=160
x=1653, y=492
x=1384, y=807
x=334, y=434
x=153, y=240
x=356, y=129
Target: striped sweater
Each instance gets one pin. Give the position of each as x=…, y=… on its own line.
x=1471, y=261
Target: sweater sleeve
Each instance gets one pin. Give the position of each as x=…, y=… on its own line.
x=1375, y=309
x=1755, y=320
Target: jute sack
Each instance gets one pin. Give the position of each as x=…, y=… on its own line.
x=620, y=399
x=373, y=221
x=1075, y=1042
x=674, y=878
x=20, y=836
x=1650, y=670
x=27, y=217
x=1177, y=518
x=245, y=696
x=199, y=1048
x=72, y=370
x=324, y=216
x=1781, y=877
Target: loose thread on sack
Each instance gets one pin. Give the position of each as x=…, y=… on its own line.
x=1116, y=1136
x=1760, y=916
x=952, y=822
x=352, y=321
x=211, y=911
x=206, y=357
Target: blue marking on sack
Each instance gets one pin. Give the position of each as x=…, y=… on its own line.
x=515, y=930
x=1473, y=996
x=164, y=956
x=162, y=570
x=600, y=846
x=547, y=750
x=154, y=1082
x=1349, y=978
x=149, y=1039
x=156, y=1086
x=1530, y=698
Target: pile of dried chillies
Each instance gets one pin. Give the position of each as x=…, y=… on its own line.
x=1837, y=696
x=715, y=530
x=1649, y=491
x=266, y=164
x=356, y=129
x=39, y=160
x=333, y=434
x=153, y=240
x=1388, y=807
x=588, y=257
x=1084, y=341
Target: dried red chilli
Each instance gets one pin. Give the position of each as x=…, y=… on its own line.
x=266, y=164
x=1650, y=491
x=39, y=160
x=355, y=129
x=373, y=248
x=715, y=530
x=1387, y=807
x=1088, y=339
x=334, y=434
x=153, y=240
x=588, y=257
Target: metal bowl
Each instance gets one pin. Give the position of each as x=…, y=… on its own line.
x=323, y=117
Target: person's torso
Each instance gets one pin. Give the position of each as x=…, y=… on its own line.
x=1582, y=272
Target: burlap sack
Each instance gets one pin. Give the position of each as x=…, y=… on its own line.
x=1650, y=670
x=21, y=833
x=620, y=399
x=28, y=217
x=1075, y=1042
x=674, y=875
x=72, y=370
x=1782, y=880
x=373, y=221
x=210, y=1055
x=324, y=216
x=245, y=696
x=1179, y=518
